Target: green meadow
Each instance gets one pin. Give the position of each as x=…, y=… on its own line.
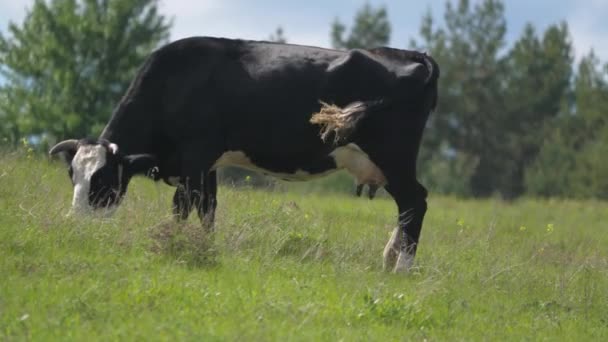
x=290, y=264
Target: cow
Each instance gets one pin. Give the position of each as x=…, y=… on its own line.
x=291, y=111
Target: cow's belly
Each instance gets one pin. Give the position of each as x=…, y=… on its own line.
x=242, y=160
x=349, y=157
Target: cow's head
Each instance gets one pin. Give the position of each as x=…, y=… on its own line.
x=99, y=172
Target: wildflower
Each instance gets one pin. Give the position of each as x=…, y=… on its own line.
x=550, y=228
x=462, y=225
x=522, y=228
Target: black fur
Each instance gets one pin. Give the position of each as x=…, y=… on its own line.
x=197, y=98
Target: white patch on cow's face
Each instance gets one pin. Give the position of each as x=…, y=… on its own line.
x=88, y=159
x=358, y=164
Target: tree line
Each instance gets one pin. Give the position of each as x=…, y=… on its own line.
x=523, y=119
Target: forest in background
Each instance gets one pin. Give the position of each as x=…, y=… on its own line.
x=513, y=119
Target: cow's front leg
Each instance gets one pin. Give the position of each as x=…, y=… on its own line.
x=181, y=206
x=400, y=250
x=187, y=196
x=209, y=201
x=198, y=184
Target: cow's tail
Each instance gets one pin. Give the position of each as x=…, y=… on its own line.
x=430, y=82
x=339, y=123
x=431, y=66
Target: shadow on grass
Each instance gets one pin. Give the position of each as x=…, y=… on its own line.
x=186, y=243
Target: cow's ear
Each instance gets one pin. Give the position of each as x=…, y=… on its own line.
x=140, y=164
x=67, y=149
x=359, y=68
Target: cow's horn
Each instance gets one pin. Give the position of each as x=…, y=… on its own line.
x=65, y=145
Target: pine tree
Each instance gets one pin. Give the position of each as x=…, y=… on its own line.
x=572, y=160
x=70, y=61
x=463, y=135
x=537, y=86
x=370, y=29
x=278, y=36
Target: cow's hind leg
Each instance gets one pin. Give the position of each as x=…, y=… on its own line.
x=410, y=197
x=401, y=248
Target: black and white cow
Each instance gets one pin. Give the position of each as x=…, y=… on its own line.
x=201, y=103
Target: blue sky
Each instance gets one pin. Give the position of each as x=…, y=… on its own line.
x=308, y=22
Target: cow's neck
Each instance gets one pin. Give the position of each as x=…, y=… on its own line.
x=130, y=129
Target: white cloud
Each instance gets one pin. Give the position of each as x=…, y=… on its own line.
x=309, y=22
x=589, y=28
x=12, y=11
x=247, y=20
x=185, y=8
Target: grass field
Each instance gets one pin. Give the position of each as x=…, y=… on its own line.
x=285, y=265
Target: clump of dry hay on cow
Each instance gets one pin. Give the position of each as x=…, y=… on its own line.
x=341, y=122
x=188, y=243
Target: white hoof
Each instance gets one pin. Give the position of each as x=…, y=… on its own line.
x=404, y=263
x=391, y=251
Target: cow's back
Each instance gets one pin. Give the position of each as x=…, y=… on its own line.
x=254, y=91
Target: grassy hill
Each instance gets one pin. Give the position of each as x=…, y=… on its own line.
x=285, y=265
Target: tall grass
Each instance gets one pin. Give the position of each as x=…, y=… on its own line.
x=283, y=265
